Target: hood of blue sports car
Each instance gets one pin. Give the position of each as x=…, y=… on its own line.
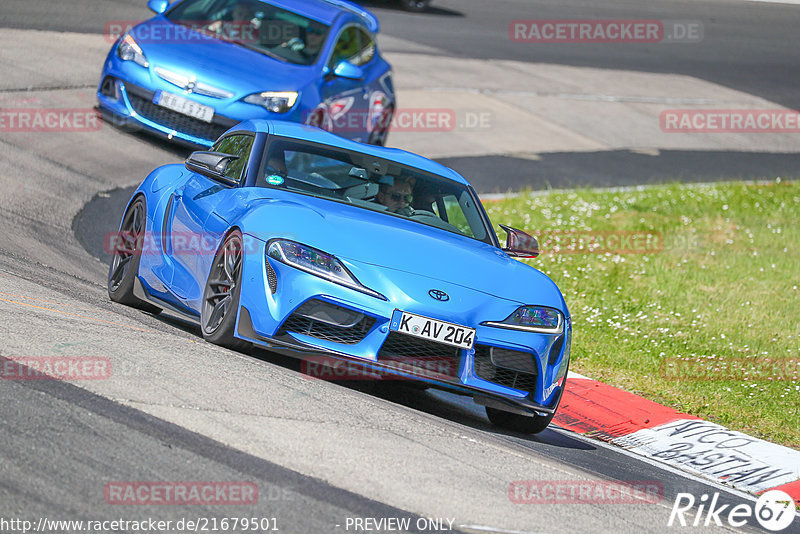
x=216, y=62
x=365, y=239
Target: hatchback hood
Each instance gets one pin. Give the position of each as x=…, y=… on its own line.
x=220, y=63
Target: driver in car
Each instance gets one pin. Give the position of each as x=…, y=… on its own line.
x=243, y=25
x=397, y=197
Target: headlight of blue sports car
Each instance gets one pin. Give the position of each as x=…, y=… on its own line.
x=128, y=50
x=275, y=101
x=532, y=319
x=316, y=262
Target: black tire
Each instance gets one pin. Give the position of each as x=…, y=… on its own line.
x=377, y=139
x=518, y=423
x=380, y=134
x=126, y=257
x=417, y=6
x=221, y=295
x=522, y=423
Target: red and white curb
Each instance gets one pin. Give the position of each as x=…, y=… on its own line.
x=689, y=443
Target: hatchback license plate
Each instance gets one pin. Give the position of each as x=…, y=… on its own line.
x=184, y=106
x=440, y=331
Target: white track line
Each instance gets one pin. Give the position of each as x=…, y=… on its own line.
x=792, y=2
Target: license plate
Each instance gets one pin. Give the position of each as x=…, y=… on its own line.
x=184, y=106
x=432, y=329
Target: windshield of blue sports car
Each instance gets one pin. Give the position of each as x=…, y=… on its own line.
x=378, y=185
x=256, y=25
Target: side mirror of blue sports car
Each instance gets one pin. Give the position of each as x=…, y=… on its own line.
x=345, y=69
x=211, y=164
x=305, y=243
x=520, y=244
x=158, y=6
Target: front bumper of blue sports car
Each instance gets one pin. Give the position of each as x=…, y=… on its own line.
x=127, y=105
x=126, y=98
x=302, y=315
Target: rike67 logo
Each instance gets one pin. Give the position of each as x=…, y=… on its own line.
x=774, y=510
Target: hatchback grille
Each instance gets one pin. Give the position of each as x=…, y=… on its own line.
x=510, y=368
x=177, y=121
x=405, y=352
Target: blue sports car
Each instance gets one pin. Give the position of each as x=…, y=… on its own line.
x=291, y=238
x=200, y=67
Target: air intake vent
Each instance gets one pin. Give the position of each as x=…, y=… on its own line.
x=413, y=354
x=272, y=279
x=108, y=87
x=510, y=368
x=330, y=322
x=555, y=350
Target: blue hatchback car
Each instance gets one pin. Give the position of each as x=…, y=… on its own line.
x=290, y=238
x=201, y=66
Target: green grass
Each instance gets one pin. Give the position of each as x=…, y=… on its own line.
x=722, y=292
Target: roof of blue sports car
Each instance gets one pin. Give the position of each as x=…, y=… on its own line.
x=318, y=135
x=326, y=11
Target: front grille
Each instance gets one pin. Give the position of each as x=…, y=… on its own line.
x=413, y=354
x=317, y=319
x=177, y=121
x=510, y=368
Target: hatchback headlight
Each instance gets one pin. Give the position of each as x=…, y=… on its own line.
x=532, y=319
x=275, y=101
x=128, y=50
x=316, y=262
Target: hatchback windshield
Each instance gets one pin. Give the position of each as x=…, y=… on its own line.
x=371, y=183
x=257, y=25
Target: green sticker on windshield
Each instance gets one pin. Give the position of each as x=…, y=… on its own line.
x=274, y=179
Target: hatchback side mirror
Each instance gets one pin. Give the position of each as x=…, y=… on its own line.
x=520, y=244
x=158, y=6
x=345, y=69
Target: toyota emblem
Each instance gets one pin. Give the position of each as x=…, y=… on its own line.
x=438, y=294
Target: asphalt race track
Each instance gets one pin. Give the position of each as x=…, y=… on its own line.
x=179, y=409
